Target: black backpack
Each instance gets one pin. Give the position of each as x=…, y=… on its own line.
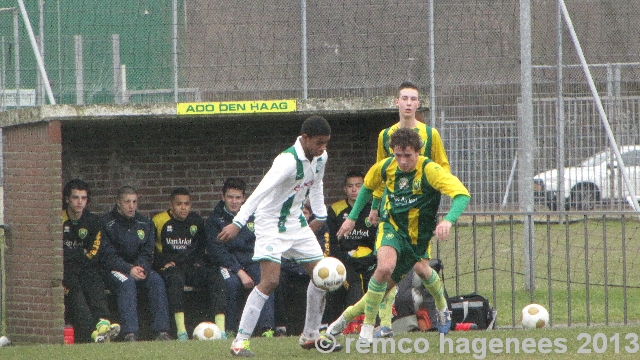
x=472, y=308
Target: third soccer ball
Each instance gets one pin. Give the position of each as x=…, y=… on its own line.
x=329, y=274
x=534, y=316
x=206, y=331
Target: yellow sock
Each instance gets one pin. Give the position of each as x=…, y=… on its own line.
x=179, y=316
x=357, y=309
x=373, y=298
x=386, y=308
x=436, y=289
x=219, y=320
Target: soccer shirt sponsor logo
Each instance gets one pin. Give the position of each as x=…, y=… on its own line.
x=403, y=183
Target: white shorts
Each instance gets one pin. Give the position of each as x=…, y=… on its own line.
x=300, y=245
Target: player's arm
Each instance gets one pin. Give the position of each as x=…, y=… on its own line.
x=160, y=258
x=108, y=256
x=381, y=154
x=145, y=254
x=458, y=205
x=438, y=154
x=447, y=184
x=283, y=168
x=316, y=197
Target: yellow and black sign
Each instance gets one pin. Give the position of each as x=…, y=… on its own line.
x=236, y=107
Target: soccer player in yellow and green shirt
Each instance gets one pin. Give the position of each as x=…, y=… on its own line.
x=408, y=102
x=413, y=184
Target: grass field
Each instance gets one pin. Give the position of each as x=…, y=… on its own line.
x=462, y=345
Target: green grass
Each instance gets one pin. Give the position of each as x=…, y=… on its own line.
x=287, y=348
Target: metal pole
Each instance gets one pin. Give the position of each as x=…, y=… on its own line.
x=525, y=150
x=603, y=115
x=3, y=74
x=115, y=45
x=16, y=45
x=79, y=71
x=561, y=200
x=303, y=5
x=432, y=66
x=41, y=91
x=59, y=52
x=175, y=50
x=43, y=71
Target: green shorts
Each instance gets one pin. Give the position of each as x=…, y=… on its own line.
x=408, y=254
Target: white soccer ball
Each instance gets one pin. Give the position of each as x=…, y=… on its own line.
x=329, y=274
x=534, y=316
x=207, y=331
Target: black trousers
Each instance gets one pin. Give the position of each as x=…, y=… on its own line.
x=84, y=301
x=201, y=277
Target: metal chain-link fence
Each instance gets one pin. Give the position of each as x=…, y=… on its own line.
x=201, y=50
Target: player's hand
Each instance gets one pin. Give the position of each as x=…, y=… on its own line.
x=374, y=217
x=169, y=264
x=228, y=232
x=346, y=228
x=442, y=230
x=137, y=273
x=246, y=280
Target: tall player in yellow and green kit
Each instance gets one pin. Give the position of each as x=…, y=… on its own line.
x=413, y=184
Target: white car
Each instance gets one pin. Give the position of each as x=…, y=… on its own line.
x=596, y=180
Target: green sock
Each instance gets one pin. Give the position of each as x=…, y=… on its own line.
x=219, y=320
x=386, y=308
x=372, y=299
x=436, y=289
x=179, y=316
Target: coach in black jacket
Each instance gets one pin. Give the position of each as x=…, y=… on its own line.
x=127, y=253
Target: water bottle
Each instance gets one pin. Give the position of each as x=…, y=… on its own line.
x=69, y=336
x=466, y=326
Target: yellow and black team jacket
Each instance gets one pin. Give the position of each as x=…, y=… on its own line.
x=355, y=248
x=80, y=239
x=182, y=242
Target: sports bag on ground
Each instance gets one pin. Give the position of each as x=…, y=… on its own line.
x=472, y=308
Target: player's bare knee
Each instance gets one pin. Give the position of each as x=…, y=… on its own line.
x=268, y=285
x=383, y=273
x=422, y=269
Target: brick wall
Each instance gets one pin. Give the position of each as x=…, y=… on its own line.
x=32, y=182
x=199, y=154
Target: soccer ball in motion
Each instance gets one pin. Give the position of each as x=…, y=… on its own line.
x=207, y=331
x=534, y=316
x=329, y=274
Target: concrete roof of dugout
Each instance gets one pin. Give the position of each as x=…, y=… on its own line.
x=65, y=112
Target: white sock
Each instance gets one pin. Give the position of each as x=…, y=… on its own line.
x=315, y=309
x=250, y=314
